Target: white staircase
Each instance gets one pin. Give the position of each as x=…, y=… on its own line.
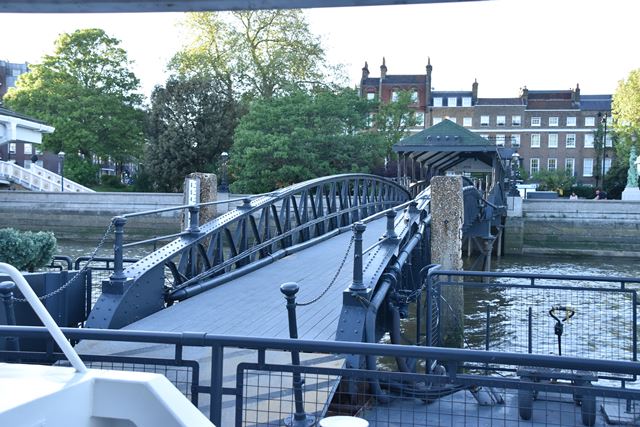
x=39, y=179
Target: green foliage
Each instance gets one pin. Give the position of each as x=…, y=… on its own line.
x=300, y=136
x=557, y=180
x=26, y=250
x=191, y=121
x=112, y=181
x=626, y=104
x=86, y=91
x=255, y=53
x=584, y=191
x=394, y=119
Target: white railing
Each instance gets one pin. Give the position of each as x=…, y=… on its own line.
x=39, y=179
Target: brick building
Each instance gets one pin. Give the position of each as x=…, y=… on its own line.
x=9, y=73
x=551, y=129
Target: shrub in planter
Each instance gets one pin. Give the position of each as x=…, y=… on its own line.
x=26, y=251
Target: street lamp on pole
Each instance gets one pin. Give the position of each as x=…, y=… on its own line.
x=61, y=166
x=603, y=119
x=224, y=156
x=515, y=164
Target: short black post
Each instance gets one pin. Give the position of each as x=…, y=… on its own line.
x=118, y=266
x=391, y=225
x=299, y=419
x=6, y=295
x=357, y=285
x=194, y=221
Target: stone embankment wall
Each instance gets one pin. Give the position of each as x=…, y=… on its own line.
x=575, y=227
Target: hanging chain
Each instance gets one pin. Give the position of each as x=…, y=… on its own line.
x=335, y=277
x=73, y=279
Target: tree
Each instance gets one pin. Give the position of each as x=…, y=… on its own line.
x=258, y=53
x=86, y=91
x=300, y=136
x=626, y=112
x=560, y=180
x=394, y=119
x=191, y=121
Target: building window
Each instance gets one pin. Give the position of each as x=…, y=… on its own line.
x=535, y=121
x=552, y=164
x=571, y=140
x=414, y=96
x=437, y=120
x=553, y=140
x=501, y=120
x=467, y=122
x=12, y=148
x=370, y=119
x=588, y=140
x=534, y=165
x=609, y=141
x=484, y=120
x=535, y=140
x=452, y=101
x=571, y=121
x=570, y=166
x=587, y=168
x=452, y=119
x=420, y=119
x=607, y=164
x=394, y=96
x=589, y=121
x=609, y=120
x=485, y=136
x=516, y=120
x=28, y=149
x=553, y=121
x=500, y=140
x=437, y=102
x=371, y=96
x=466, y=101
x=515, y=140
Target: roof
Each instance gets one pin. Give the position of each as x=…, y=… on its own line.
x=446, y=136
x=551, y=104
x=11, y=113
x=550, y=94
x=500, y=101
x=595, y=102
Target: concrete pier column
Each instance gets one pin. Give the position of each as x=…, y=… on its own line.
x=447, y=213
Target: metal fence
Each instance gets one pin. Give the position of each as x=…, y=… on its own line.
x=259, y=393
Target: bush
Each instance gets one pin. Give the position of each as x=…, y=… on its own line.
x=584, y=191
x=112, y=181
x=26, y=251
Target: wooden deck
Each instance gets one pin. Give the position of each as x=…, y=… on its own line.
x=253, y=305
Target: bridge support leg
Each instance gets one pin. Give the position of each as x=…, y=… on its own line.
x=447, y=212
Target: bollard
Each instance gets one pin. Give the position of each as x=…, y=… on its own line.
x=118, y=269
x=357, y=285
x=194, y=222
x=391, y=225
x=299, y=419
x=6, y=295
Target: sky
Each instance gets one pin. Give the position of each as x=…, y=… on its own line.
x=504, y=44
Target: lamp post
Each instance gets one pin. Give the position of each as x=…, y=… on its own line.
x=603, y=120
x=515, y=163
x=61, y=166
x=224, y=156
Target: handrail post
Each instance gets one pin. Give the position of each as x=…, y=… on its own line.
x=118, y=266
x=391, y=226
x=299, y=418
x=357, y=285
x=194, y=220
x=6, y=295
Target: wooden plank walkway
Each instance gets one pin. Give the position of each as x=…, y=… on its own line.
x=253, y=305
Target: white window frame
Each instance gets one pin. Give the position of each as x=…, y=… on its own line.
x=534, y=169
x=371, y=96
x=554, y=121
x=394, y=95
x=570, y=140
x=535, y=140
x=516, y=120
x=608, y=142
x=452, y=119
x=437, y=120
x=466, y=101
x=414, y=96
x=515, y=140
x=552, y=140
x=589, y=140
x=501, y=120
x=571, y=121
x=485, y=120
x=420, y=119
x=550, y=161
x=27, y=148
x=452, y=101
x=536, y=121
x=500, y=139
x=467, y=122
x=589, y=121
x=485, y=136
x=587, y=167
x=437, y=101
x=607, y=164
x=570, y=165
x=12, y=148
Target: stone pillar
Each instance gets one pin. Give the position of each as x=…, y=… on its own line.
x=447, y=213
x=201, y=188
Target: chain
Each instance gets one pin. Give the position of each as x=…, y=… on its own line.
x=73, y=279
x=335, y=277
